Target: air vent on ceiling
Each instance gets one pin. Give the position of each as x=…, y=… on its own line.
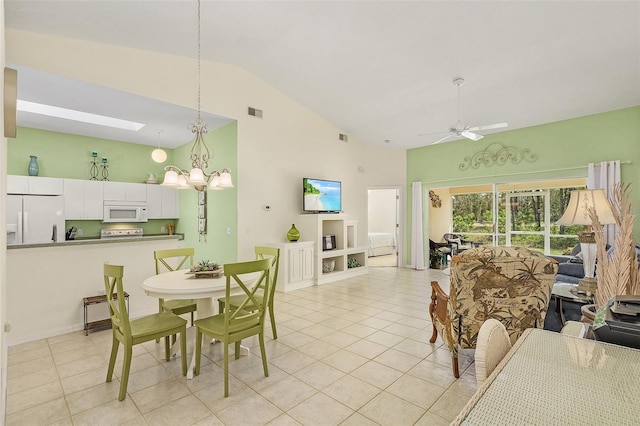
x=344, y=138
x=255, y=112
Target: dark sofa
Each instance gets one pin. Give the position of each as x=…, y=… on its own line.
x=570, y=268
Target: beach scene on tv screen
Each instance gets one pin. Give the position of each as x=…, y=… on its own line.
x=321, y=195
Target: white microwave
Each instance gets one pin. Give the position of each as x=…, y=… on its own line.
x=125, y=211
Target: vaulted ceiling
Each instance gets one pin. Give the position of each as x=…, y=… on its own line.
x=383, y=70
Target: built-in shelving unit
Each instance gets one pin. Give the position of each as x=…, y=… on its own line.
x=339, y=262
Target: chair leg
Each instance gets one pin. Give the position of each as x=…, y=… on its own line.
x=220, y=306
x=160, y=310
x=112, y=359
x=198, y=349
x=183, y=349
x=434, y=335
x=226, y=369
x=273, y=323
x=237, y=349
x=454, y=364
x=263, y=354
x=167, y=349
x=126, y=367
x=191, y=318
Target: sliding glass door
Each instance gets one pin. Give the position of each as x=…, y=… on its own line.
x=522, y=214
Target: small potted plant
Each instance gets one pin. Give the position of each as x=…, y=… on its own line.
x=206, y=269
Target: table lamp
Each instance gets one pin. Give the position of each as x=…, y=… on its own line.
x=577, y=213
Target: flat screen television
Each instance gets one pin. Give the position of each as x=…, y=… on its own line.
x=321, y=196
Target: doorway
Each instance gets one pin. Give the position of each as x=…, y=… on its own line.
x=383, y=226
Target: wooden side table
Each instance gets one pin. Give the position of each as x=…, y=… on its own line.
x=99, y=324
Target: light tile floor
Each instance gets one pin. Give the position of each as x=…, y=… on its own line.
x=354, y=352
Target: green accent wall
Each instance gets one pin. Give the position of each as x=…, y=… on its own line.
x=65, y=155
x=563, y=148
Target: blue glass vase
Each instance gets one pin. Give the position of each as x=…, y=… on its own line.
x=33, y=166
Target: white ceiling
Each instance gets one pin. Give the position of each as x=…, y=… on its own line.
x=379, y=70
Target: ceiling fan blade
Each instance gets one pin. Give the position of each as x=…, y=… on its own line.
x=444, y=138
x=470, y=135
x=489, y=126
x=433, y=133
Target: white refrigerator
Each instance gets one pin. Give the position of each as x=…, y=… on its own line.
x=35, y=219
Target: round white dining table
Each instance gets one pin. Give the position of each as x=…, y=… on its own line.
x=182, y=285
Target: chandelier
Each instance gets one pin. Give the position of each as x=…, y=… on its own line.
x=198, y=178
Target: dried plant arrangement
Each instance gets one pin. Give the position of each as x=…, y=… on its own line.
x=617, y=271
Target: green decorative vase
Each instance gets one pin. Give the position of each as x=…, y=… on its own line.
x=293, y=234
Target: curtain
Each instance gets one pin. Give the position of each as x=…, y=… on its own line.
x=417, y=241
x=604, y=175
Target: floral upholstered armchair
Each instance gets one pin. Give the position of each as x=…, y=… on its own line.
x=511, y=284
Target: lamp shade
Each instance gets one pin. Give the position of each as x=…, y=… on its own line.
x=225, y=179
x=577, y=212
x=196, y=177
x=170, y=178
x=158, y=155
x=182, y=182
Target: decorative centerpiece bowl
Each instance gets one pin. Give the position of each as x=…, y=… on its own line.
x=206, y=269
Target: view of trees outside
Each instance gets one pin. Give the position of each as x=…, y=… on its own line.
x=473, y=217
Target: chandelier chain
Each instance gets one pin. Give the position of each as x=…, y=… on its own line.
x=199, y=74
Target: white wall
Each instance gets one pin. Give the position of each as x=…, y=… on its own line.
x=274, y=153
x=382, y=210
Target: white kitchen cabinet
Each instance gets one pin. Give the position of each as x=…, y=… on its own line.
x=125, y=191
x=34, y=185
x=83, y=199
x=170, y=205
x=154, y=201
x=296, y=265
x=162, y=202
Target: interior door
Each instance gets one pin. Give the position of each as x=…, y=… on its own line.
x=383, y=227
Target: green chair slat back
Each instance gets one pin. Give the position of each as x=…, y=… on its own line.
x=132, y=332
x=183, y=258
x=238, y=323
x=261, y=253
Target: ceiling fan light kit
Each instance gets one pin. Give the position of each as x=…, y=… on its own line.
x=461, y=129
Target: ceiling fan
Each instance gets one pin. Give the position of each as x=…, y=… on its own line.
x=462, y=129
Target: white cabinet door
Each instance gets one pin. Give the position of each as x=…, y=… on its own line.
x=115, y=191
x=93, y=199
x=83, y=199
x=34, y=185
x=307, y=263
x=124, y=191
x=295, y=265
x=170, y=206
x=17, y=184
x=73, y=199
x=45, y=186
x=154, y=201
x=136, y=191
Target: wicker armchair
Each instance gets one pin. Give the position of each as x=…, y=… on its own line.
x=510, y=284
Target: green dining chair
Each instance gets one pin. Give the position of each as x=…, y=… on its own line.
x=133, y=332
x=234, y=301
x=181, y=256
x=236, y=324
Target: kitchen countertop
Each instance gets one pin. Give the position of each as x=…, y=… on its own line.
x=85, y=241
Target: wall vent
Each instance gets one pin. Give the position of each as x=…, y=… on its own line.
x=344, y=138
x=255, y=112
